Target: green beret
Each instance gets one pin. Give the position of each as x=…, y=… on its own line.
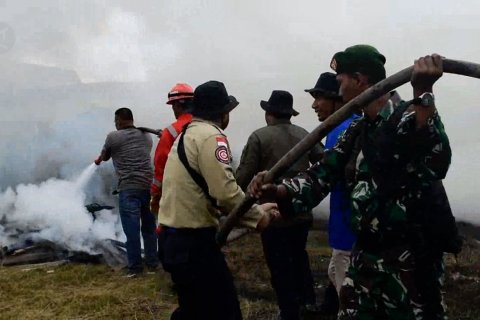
x=361, y=58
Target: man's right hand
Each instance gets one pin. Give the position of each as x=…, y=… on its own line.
x=258, y=188
x=98, y=160
x=155, y=202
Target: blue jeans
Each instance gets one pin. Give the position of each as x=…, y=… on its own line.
x=134, y=207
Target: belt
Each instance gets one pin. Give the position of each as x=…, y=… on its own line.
x=192, y=231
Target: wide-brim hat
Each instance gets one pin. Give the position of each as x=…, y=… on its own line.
x=327, y=86
x=280, y=102
x=211, y=98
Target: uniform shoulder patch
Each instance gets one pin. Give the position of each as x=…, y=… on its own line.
x=222, y=152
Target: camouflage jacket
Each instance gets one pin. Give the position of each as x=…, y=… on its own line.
x=387, y=164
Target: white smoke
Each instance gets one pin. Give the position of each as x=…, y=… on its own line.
x=55, y=210
x=254, y=47
x=115, y=49
x=33, y=151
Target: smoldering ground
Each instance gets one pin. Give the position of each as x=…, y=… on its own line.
x=54, y=210
x=49, y=177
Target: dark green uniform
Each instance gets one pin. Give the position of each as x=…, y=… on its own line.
x=390, y=166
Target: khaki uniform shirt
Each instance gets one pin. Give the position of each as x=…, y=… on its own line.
x=183, y=203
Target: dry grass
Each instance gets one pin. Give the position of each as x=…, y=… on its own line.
x=82, y=292
x=463, y=294
x=78, y=291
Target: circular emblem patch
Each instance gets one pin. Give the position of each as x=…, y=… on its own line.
x=221, y=153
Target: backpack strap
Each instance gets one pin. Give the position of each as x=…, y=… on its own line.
x=199, y=180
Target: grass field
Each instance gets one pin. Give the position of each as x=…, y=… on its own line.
x=80, y=291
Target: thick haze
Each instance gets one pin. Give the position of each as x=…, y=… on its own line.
x=72, y=64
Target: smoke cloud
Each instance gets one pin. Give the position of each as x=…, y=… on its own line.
x=73, y=63
x=54, y=210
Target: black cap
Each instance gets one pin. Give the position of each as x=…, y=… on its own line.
x=211, y=98
x=280, y=102
x=327, y=86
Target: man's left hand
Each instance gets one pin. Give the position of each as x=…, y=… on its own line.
x=270, y=213
x=426, y=71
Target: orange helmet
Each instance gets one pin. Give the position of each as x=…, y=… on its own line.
x=180, y=91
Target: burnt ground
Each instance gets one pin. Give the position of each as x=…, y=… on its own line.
x=462, y=287
x=95, y=291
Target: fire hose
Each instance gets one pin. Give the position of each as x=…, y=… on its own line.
x=464, y=68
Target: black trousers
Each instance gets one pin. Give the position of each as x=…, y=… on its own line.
x=287, y=259
x=202, y=279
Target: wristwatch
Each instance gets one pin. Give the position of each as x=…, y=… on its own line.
x=426, y=99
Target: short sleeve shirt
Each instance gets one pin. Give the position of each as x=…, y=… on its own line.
x=130, y=152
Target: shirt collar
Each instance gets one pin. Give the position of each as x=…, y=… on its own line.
x=185, y=116
x=281, y=121
x=196, y=120
x=385, y=112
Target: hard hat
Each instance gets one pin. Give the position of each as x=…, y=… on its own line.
x=180, y=91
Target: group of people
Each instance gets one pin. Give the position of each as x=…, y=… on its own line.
x=390, y=221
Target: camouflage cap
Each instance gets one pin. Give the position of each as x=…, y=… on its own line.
x=360, y=58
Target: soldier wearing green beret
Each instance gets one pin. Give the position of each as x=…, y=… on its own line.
x=391, y=159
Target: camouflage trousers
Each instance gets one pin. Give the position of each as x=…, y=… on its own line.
x=430, y=280
x=391, y=286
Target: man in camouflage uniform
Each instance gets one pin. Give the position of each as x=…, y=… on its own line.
x=198, y=185
x=391, y=159
x=284, y=240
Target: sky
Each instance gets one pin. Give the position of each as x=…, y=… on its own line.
x=65, y=66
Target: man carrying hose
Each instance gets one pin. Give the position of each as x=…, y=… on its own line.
x=340, y=236
x=129, y=149
x=391, y=158
x=198, y=185
x=284, y=240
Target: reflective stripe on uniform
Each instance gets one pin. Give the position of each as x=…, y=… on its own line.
x=157, y=183
x=172, y=131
